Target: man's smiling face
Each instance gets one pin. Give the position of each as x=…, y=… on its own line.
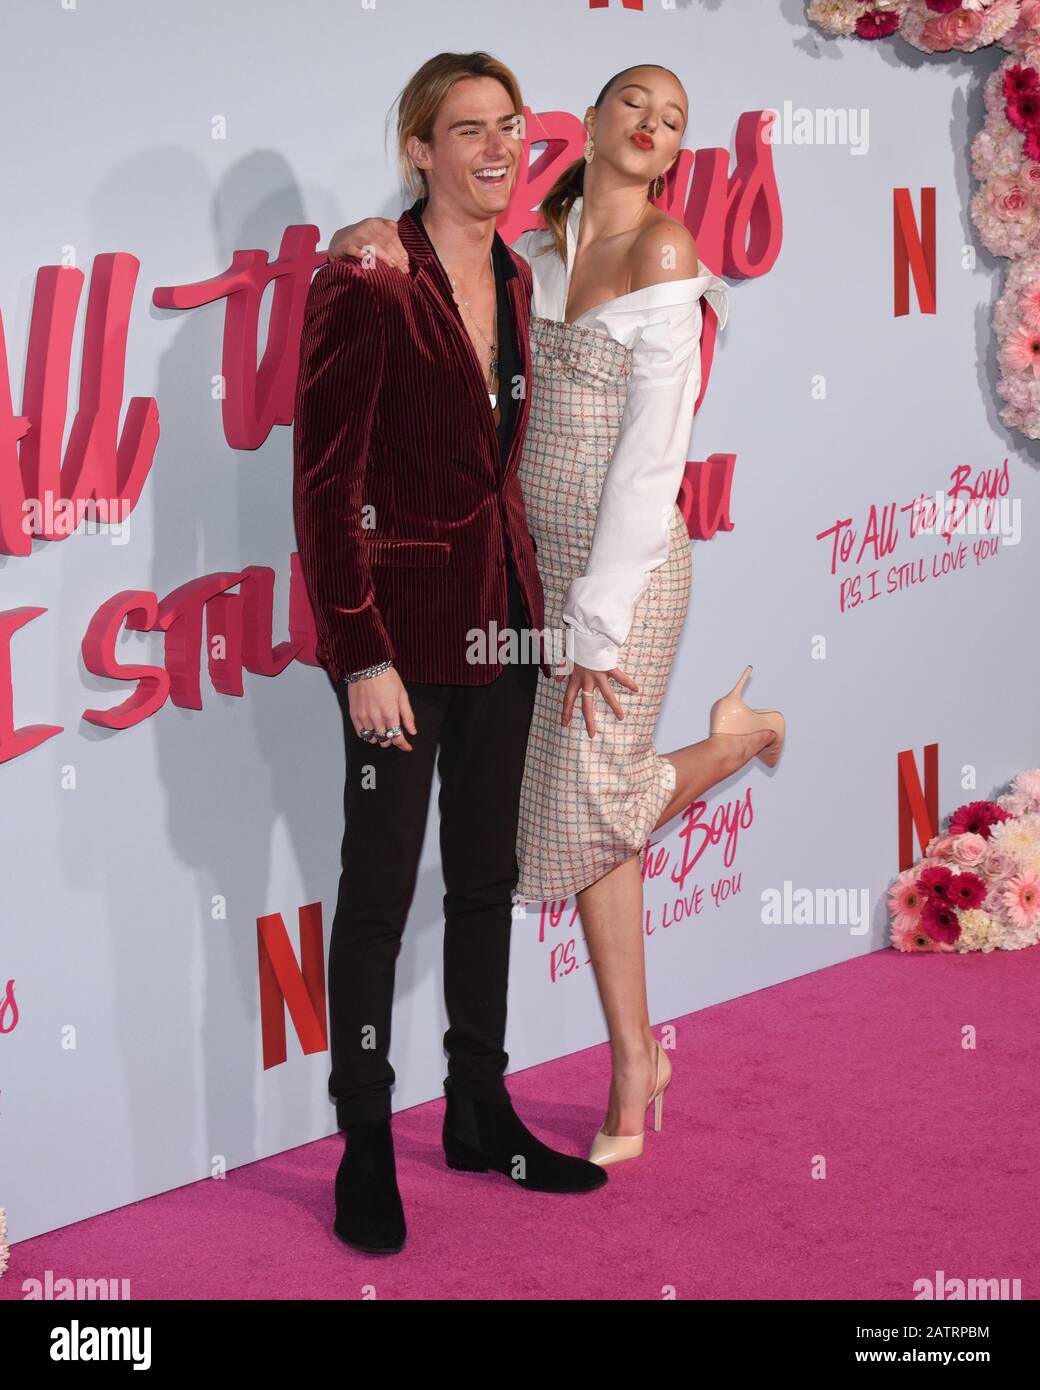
x=472, y=160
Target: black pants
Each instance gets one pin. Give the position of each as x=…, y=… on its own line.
x=477, y=735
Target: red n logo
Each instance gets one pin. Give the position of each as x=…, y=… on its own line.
x=917, y=810
x=913, y=250
x=288, y=983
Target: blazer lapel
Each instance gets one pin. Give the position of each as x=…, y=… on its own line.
x=521, y=317
x=432, y=282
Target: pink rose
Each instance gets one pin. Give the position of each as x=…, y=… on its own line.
x=994, y=905
x=940, y=847
x=1008, y=198
x=1027, y=31
x=997, y=864
x=1029, y=175
x=969, y=849
x=953, y=30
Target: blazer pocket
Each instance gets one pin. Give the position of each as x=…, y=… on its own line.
x=392, y=551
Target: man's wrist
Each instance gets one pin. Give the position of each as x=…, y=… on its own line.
x=377, y=670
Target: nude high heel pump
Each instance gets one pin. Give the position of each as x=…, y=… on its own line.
x=730, y=715
x=615, y=1148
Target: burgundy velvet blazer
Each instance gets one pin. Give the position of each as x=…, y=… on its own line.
x=402, y=510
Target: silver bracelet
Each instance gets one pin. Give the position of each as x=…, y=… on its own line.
x=368, y=671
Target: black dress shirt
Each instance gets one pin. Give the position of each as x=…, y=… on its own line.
x=508, y=370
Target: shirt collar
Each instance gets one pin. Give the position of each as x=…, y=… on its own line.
x=705, y=282
x=573, y=223
x=503, y=261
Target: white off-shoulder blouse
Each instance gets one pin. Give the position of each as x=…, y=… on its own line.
x=661, y=323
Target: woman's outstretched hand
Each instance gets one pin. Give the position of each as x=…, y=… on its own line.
x=586, y=683
x=375, y=236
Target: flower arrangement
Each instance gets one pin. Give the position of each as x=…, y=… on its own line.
x=4, y=1249
x=978, y=886
x=934, y=26
x=1005, y=156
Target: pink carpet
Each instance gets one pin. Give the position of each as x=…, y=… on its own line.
x=930, y=1153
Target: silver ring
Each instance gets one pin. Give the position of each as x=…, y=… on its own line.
x=588, y=694
x=365, y=733
x=390, y=733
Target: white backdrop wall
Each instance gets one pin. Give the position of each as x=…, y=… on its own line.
x=135, y=1063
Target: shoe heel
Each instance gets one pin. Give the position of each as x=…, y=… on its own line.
x=730, y=715
x=658, y=1111
x=729, y=706
x=462, y=1158
x=770, y=755
x=659, y=1086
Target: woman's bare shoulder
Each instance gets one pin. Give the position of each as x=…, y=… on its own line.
x=664, y=250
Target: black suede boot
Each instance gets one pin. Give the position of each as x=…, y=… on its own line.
x=479, y=1136
x=369, y=1214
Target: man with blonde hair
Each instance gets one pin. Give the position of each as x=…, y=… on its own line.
x=412, y=535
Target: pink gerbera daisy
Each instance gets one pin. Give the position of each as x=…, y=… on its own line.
x=1022, y=353
x=967, y=890
x=1018, y=78
x=940, y=921
x=1023, y=110
x=909, y=935
x=905, y=898
x=1022, y=898
x=977, y=817
x=936, y=883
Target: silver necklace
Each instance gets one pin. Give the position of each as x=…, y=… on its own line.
x=493, y=364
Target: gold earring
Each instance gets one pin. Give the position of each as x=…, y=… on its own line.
x=659, y=186
x=590, y=149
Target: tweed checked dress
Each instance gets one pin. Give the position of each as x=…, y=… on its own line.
x=588, y=804
x=611, y=393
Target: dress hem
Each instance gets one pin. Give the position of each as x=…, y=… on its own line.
x=656, y=809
